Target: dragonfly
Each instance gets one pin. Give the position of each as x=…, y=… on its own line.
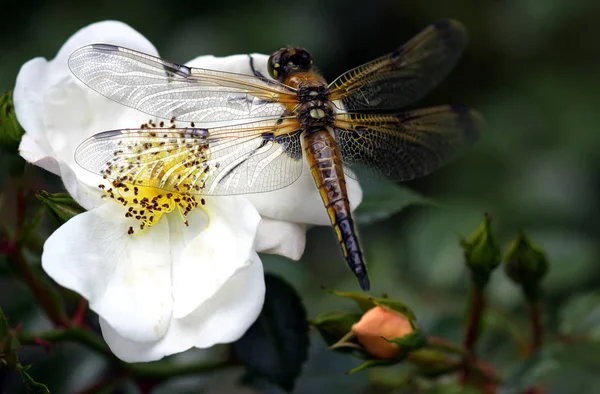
x=251, y=133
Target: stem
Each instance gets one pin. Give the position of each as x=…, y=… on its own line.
x=445, y=365
x=537, y=334
x=73, y=334
x=54, y=312
x=157, y=370
x=14, y=249
x=477, y=304
x=445, y=345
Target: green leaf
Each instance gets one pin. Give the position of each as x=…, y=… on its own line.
x=581, y=314
x=276, y=345
x=531, y=371
x=31, y=386
x=3, y=326
x=32, y=224
x=381, y=200
x=61, y=206
x=10, y=129
x=8, y=347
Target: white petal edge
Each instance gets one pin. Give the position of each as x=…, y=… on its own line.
x=89, y=197
x=32, y=151
x=282, y=238
x=72, y=111
x=28, y=98
x=222, y=319
x=235, y=64
x=126, y=278
x=213, y=252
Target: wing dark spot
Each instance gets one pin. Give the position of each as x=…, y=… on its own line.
x=105, y=47
x=106, y=134
x=198, y=133
x=181, y=70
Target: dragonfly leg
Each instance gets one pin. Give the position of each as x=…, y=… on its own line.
x=258, y=74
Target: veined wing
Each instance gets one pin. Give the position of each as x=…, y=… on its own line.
x=248, y=158
x=407, y=145
x=405, y=75
x=169, y=90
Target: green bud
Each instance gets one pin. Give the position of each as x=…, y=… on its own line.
x=61, y=206
x=10, y=129
x=526, y=264
x=482, y=252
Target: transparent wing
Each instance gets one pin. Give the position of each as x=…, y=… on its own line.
x=172, y=91
x=248, y=158
x=407, y=145
x=405, y=75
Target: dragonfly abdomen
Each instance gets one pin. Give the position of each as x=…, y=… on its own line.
x=323, y=157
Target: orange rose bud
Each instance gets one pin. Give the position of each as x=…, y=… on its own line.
x=380, y=322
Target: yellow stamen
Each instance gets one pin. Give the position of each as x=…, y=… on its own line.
x=156, y=172
x=148, y=204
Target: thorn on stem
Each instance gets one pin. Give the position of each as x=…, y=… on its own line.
x=79, y=316
x=44, y=343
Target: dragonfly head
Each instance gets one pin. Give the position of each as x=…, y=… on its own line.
x=289, y=60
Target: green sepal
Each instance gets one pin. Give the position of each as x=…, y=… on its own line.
x=61, y=206
x=334, y=325
x=409, y=342
x=371, y=364
x=366, y=302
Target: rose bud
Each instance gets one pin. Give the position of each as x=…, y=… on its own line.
x=379, y=323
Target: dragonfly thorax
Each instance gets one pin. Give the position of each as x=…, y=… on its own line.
x=316, y=113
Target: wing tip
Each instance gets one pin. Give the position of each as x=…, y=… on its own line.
x=455, y=33
x=449, y=25
x=473, y=120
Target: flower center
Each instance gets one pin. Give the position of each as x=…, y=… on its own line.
x=148, y=204
x=156, y=171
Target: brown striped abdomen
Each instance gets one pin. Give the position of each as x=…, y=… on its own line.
x=323, y=157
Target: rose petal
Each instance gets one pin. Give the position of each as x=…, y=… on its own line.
x=236, y=63
x=222, y=319
x=59, y=112
x=74, y=112
x=34, y=152
x=126, y=278
x=211, y=254
x=89, y=197
x=300, y=202
x=283, y=238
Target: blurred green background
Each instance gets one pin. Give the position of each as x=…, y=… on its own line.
x=532, y=68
